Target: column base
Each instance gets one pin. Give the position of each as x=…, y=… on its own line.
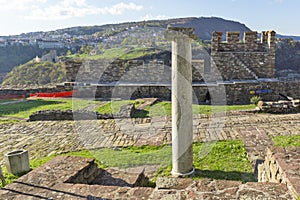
x=177, y=174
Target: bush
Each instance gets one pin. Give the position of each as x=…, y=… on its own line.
x=255, y=99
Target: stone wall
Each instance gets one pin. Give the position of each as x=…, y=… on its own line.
x=126, y=111
x=86, y=175
x=220, y=93
x=10, y=91
x=278, y=107
x=281, y=166
x=246, y=59
x=133, y=71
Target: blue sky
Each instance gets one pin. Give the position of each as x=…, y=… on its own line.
x=21, y=16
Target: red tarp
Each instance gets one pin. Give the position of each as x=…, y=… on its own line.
x=53, y=94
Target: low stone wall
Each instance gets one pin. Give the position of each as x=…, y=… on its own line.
x=86, y=175
x=278, y=107
x=53, y=115
x=235, y=92
x=26, y=91
x=64, y=177
x=282, y=165
x=126, y=111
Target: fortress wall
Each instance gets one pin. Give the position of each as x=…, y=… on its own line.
x=234, y=55
x=238, y=93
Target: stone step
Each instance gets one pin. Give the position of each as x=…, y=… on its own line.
x=176, y=188
x=122, y=178
x=244, y=66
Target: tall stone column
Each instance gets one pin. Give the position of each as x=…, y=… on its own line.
x=182, y=115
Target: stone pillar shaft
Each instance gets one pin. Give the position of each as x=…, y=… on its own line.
x=182, y=115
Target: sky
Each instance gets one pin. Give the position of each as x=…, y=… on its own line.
x=22, y=16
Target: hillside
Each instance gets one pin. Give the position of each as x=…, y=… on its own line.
x=40, y=73
x=124, y=41
x=12, y=56
x=204, y=27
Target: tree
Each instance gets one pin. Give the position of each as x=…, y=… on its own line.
x=86, y=49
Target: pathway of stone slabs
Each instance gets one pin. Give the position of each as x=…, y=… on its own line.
x=256, y=130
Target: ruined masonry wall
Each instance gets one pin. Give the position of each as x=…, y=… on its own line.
x=277, y=165
x=238, y=93
x=137, y=71
x=246, y=59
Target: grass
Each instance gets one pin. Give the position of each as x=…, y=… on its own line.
x=114, y=106
x=24, y=109
x=134, y=156
x=226, y=160
x=164, y=108
x=287, y=141
x=35, y=163
x=6, y=100
x=125, y=53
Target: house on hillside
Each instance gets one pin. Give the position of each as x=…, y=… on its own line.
x=49, y=44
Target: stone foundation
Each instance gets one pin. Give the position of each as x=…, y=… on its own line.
x=282, y=165
x=278, y=107
x=66, y=177
x=232, y=92
x=126, y=111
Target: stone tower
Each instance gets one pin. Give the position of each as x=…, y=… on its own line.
x=246, y=59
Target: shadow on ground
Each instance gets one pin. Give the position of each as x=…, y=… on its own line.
x=24, y=106
x=222, y=175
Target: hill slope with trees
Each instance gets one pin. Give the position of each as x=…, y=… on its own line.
x=37, y=73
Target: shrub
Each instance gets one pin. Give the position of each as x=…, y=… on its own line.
x=255, y=99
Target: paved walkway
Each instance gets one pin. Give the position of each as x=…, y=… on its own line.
x=256, y=130
x=49, y=137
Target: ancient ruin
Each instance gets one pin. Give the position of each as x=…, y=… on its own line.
x=182, y=114
x=246, y=68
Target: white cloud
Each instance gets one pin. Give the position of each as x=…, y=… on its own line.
x=19, y=4
x=151, y=17
x=79, y=8
x=64, y=9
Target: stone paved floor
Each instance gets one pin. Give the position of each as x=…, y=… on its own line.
x=49, y=137
x=46, y=138
x=53, y=181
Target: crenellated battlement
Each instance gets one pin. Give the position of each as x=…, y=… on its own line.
x=249, y=43
x=249, y=57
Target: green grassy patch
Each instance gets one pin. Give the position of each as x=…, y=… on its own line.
x=227, y=160
x=24, y=109
x=114, y=106
x=134, y=156
x=287, y=141
x=221, y=160
x=6, y=100
x=125, y=53
x=5, y=120
x=165, y=108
